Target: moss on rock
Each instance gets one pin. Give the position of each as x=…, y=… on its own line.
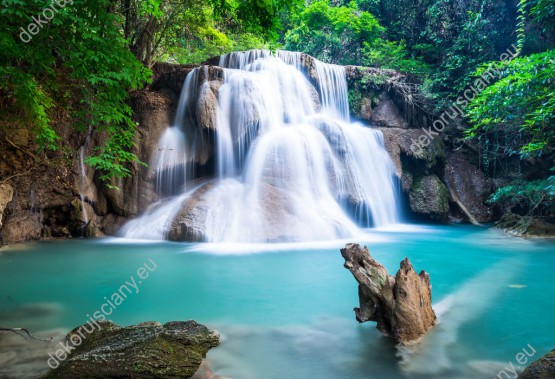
x=146, y=350
x=543, y=368
x=429, y=197
x=525, y=226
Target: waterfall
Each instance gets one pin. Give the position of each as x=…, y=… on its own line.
x=156, y=220
x=33, y=208
x=172, y=159
x=83, y=180
x=333, y=89
x=289, y=164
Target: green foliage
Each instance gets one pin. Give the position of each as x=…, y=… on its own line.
x=537, y=197
x=536, y=25
x=375, y=80
x=190, y=31
x=543, y=13
x=355, y=99
x=83, y=62
x=333, y=34
x=521, y=24
x=393, y=55
x=518, y=111
x=79, y=54
x=452, y=37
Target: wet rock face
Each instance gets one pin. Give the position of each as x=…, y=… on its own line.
x=398, y=143
x=21, y=228
x=543, y=368
x=429, y=197
x=387, y=113
x=146, y=350
x=190, y=222
x=153, y=113
x=469, y=186
x=207, y=105
x=400, y=305
x=6, y=195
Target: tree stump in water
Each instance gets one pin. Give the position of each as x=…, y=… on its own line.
x=401, y=304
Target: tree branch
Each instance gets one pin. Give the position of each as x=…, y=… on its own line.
x=19, y=330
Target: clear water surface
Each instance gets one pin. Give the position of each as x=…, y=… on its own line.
x=285, y=310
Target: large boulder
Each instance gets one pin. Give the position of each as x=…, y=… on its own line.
x=190, y=222
x=429, y=198
x=269, y=218
x=468, y=187
x=207, y=105
x=21, y=228
x=543, y=368
x=146, y=350
x=401, y=305
x=83, y=219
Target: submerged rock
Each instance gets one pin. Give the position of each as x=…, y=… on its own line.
x=543, y=368
x=401, y=305
x=22, y=358
x=147, y=350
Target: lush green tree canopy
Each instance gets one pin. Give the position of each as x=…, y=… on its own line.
x=81, y=58
x=333, y=34
x=518, y=110
x=79, y=53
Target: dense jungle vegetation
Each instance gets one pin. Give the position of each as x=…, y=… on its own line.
x=83, y=61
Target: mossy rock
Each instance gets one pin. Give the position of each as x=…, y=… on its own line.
x=543, y=368
x=525, y=226
x=146, y=350
x=435, y=153
x=429, y=197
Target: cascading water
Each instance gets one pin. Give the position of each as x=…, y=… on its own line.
x=172, y=157
x=82, y=181
x=290, y=166
x=333, y=89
